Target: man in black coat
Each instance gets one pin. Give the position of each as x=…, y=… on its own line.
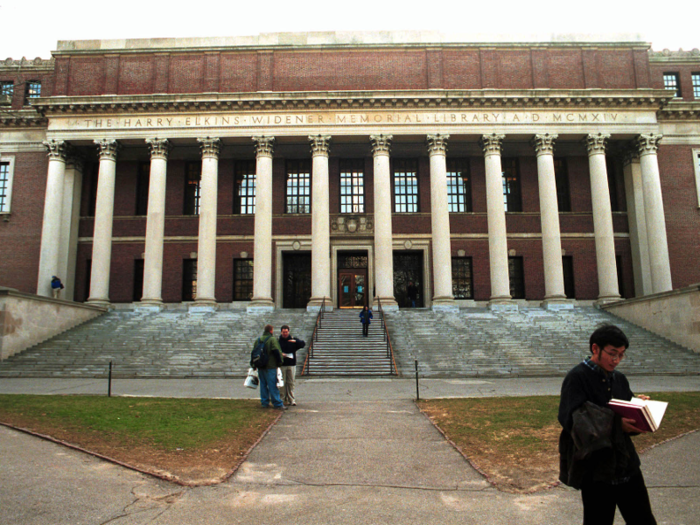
x=595, y=449
x=289, y=346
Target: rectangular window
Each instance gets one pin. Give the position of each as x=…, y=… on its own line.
x=138, y=280
x=517, y=277
x=7, y=90
x=673, y=81
x=459, y=188
x=405, y=185
x=189, y=279
x=352, y=186
x=6, y=171
x=33, y=90
x=244, y=193
x=298, y=187
x=142, y=183
x=568, y=269
x=193, y=187
x=462, y=282
x=561, y=174
x=696, y=163
x=242, y=279
x=512, y=200
x=696, y=85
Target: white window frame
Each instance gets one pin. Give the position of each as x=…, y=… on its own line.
x=10, y=171
x=696, y=165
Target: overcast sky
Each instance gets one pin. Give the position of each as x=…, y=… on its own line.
x=33, y=28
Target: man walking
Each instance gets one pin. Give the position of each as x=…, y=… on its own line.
x=267, y=375
x=596, y=452
x=289, y=346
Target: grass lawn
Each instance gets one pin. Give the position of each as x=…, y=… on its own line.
x=514, y=440
x=194, y=441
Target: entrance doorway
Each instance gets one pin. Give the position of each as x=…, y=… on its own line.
x=296, y=280
x=352, y=280
x=408, y=267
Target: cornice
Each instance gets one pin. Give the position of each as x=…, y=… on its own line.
x=21, y=118
x=24, y=64
x=680, y=111
x=680, y=56
x=340, y=100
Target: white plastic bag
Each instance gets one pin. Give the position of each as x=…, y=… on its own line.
x=251, y=380
x=280, y=381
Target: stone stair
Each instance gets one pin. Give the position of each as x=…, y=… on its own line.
x=171, y=343
x=340, y=349
x=477, y=342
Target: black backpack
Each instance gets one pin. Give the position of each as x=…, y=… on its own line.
x=259, y=357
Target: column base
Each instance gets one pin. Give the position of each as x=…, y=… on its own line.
x=557, y=303
x=445, y=303
x=149, y=305
x=316, y=302
x=203, y=307
x=261, y=305
x=389, y=304
x=502, y=304
x=607, y=300
x=104, y=303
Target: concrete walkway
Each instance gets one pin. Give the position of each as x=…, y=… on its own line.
x=353, y=451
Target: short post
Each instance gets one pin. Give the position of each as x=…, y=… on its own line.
x=417, y=390
x=109, y=382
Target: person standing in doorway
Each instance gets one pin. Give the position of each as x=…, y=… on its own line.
x=366, y=318
x=412, y=292
x=289, y=346
x=56, y=287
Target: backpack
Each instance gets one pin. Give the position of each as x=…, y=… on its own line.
x=259, y=357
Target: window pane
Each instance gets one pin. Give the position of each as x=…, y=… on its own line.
x=242, y=279
x=298, y=187
x=4, y=186
x=672, y=81
x=189, y=280
x=245, y=188
x=352, y=188
x=511, y=185
x=462, y=278
x=696, y=85
x=517, y=277
x=405, y=186
x=459, y=198
x=193, y=181
x=33, y=90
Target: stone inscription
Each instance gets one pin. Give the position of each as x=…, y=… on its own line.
x=312, y=119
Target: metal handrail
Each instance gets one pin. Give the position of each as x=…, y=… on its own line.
x=389, y=348
x=314, y=337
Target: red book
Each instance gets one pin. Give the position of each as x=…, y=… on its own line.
x=647, y=415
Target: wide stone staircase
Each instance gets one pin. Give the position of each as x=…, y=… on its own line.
x=170, y=343
x=477, y=342
x=340, y=349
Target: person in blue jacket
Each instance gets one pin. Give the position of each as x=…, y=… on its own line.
x=366, y=318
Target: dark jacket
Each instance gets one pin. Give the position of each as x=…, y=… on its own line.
x=366, y=316
x=592, y=444
x=290, y=348
x=272, y=347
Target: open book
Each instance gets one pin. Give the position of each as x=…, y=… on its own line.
x=646, y=414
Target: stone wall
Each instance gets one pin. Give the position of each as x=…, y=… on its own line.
x=27, y=319
x=674, y=315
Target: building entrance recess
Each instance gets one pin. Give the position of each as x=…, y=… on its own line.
x=352, y=280
x=296, y=280
x=408, y=267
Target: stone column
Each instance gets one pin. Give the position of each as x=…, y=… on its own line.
x=205, y=300
x=104, y=211
x=440, y=224
x=498, y=243
x=262, y=244
x=637, y=223
x=155, y=225
x=383, y=247
x=320, y=226
x=608, y=288
x=554, y=294
x=53, y=216
x=68, y=251
x=654, y=211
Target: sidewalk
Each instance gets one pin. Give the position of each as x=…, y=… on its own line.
x=352, y=452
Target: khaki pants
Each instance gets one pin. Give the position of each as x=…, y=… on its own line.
x=56, y=293
x=287, y=391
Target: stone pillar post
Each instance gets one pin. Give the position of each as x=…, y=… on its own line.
x=498, y=244
x=637, y=223
x=608, y=287
x=383, y=246
x=320, y=226
x=654, y=211
x=104, y=211
x=155, y=225
x=440, y=224
x=68, y=251
x=554, y=294
x=262, y=244
x=53, y=216
x=206, y=247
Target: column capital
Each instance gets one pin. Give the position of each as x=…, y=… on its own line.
x=437, y=143
x=491, y=144
x=544, y=143
x=596, y=143
x=264, y=145
x=210, y=147
x=108, y=149
x=648, y=144
x=159, y=148
x=320, y=144
x=57, y=149
x=381, y=144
